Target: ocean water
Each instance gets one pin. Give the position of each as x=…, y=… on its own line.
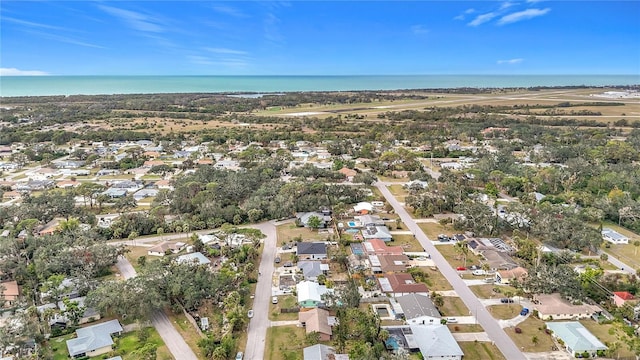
x=95, y=85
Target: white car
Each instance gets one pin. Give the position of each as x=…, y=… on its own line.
x=274, y=300
x=452, y=320
x=239, y=355
x=250, y=314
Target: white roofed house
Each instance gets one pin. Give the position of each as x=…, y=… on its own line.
x=436, y=342
x=310, y=293
x=576, y=338
x=614, y=237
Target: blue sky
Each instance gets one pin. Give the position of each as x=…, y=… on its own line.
x=319, y=38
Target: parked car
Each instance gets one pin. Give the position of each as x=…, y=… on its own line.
x=461, y=268
x=274, y=300
x=479, y=272
x=250, y=314
x=506, y=301
x=524, y=312
x=277, y=259
x=288, y=264
x=452, y=320
x=489, y=280
x=239, y=355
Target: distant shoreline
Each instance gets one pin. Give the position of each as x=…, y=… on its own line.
x=18, y=86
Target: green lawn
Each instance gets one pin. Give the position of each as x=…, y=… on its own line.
x=453, y=306
x=432, y=230
x=436, y=281
x=485, y=291
x=284, y=341
x=480, y=351
x=284, y=302
x=601, y=331
x=530, y=328
x=504, y=311
x=465, y=328
x=408, y=243
x=287, y=232
x=449, y=252
x=59, y=346
x=628, y=254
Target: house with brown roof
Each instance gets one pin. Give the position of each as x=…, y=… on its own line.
x=316, y=320
x=9, y=293
x=11, y=195
x=204, y=162
x=152, y=163
x=67, y=184
x=506, y=276
x=164, y=184
x=554, y=307
x=393, y=263
x=621, y=297
x=166, y=247
x=379, y=247
x=348, y=173
x=50, y=227
x=399, y=284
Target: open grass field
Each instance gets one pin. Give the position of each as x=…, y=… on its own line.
x=284, y=342
x=628, y=254
x=486, y=291
x=465, y=328
x=399, y=192
x=436, y=281
x=453, y=306
x=408, y=242
x=287, y=232
x=284, y=302
x=480, y=351
x=433, y=229
x=532, y=327
x=454, y=259
x=602, y=332
x=505, y=311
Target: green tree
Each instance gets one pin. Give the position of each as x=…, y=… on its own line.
x=314, y=222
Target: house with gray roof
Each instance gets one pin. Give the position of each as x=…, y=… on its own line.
x=302, y=219
x=436, y=342
x=94, y=340
x=312, y=269
x=377, y=232
x=614, y=237
x=577, y=339
x=193, y=259
x=322, y=352
x=311, y=250
x=417, y=307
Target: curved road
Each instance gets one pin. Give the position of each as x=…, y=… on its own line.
x=489, y=324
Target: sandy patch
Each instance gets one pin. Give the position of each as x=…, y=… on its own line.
x=305, y=113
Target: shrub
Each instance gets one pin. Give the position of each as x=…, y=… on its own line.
x=518, y=330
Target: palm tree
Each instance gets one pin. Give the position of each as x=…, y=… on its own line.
x=462, y=248
x=636, y=244
x=534, y=340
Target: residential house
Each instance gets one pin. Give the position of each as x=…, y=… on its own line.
x=144, y=193
x=436, y=342
x=130, y=186
x=164, y=184
x=506, y=276
x=68, y=184
x=310, y=293
x=166, y=247
x=60, y=319
x=115, y=193
x=363, y=208
x=614, y=237
x=312, y=269
x=576, y=338
x=11, y=195
x=9, y=293
x=348, y=173
x=399, y=284
x=68, y=164
x=302, y=219
x=322, y=352
x=196, y=258
x=554, y=307
x=369, y=220
x=94, y=340
x=621, y=297
x=311, y=250
x=50, y=227
x=379, y=247
x=316, y=320
x=417, y=308
x=204, y=162
x=393, y=263
x=377, y=232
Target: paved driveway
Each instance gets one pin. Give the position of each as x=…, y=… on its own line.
x=489, y=324
x=171, y=337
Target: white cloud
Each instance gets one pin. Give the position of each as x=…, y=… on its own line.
x=31, y=24
x=470, y=11
x=483, y=18
x=419, y=29
x=231, y=11
x=510, y=61
x=506, y=5
x=18, y=72
x=135, y=20
x=522, y=15
x=466, y=12
x=226, y=51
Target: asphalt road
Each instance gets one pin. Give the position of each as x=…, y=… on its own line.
x=260, y=322
x=489, y=324
x=615, y=261
x=171, y=337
